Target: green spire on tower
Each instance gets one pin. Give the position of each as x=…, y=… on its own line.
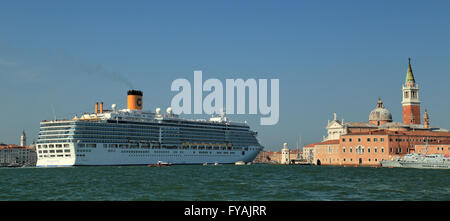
x=409, y=74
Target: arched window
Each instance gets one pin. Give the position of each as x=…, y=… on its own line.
x=360, y=150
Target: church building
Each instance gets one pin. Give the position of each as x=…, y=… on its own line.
x=379, y=138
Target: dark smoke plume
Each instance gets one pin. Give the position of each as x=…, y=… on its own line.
x=112, y=75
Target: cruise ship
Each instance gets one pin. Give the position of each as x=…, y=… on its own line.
x=133, y=136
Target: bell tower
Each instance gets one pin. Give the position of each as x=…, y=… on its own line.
x=410, y=101
x=23, y=139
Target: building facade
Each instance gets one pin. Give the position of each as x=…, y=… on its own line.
x=17, y=155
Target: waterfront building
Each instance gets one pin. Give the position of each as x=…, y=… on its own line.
x=322, y=153
x=17, y=155
x=434, y=148
x=367, y=143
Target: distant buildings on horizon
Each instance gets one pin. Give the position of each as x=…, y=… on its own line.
x=14, y=155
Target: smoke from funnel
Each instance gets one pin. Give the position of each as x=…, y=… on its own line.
x=112, y=75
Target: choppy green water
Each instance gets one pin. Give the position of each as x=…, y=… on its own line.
x=224, y=182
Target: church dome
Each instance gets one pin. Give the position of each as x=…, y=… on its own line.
x=380, y=113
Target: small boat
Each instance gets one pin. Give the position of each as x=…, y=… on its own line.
x=249, y=163
x=216, y=164
x=239, y=163
x=14, y=165
x=205, y=164
x=160, y=164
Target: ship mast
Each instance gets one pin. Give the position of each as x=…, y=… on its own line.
x=298, y=146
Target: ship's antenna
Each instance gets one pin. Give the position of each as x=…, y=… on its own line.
x=54, y=114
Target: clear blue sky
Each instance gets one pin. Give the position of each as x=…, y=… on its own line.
x=330, y=56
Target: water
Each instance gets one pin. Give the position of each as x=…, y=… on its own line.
x=256, y=182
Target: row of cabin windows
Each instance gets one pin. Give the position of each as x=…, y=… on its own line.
x=52, y=145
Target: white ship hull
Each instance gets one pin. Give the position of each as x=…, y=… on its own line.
x=433, y=161
x=419, y=165
x=101, y=156
x=390, y=163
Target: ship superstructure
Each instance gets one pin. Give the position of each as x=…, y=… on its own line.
x=133, y=136
x=419, y=161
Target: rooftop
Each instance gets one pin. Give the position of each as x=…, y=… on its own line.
x=324, y=143
x=410, y=133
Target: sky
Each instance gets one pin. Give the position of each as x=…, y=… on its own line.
x=57, y=58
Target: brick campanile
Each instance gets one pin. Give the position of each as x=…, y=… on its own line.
x=410, y=101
